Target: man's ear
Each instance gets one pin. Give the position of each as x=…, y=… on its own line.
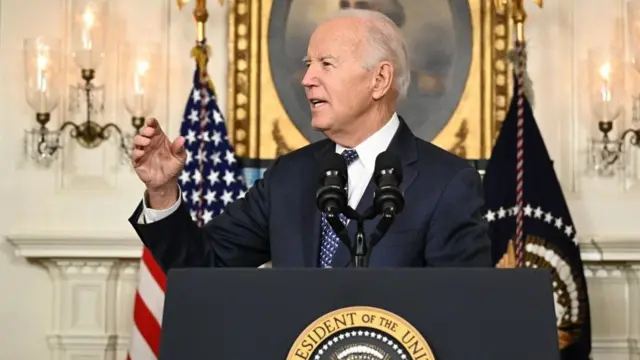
x=382, y=79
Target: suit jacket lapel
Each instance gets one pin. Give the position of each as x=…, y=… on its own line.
x=403, y=144
x=310, y=221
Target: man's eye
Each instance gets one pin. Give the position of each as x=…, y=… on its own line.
x=326, y=63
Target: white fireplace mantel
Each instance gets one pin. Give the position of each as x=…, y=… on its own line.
x=37, y=246
x=94, y=279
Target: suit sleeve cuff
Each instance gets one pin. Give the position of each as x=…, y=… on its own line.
x=149, y=215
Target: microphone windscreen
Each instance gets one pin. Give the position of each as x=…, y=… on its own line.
x=386, y=161
x=334, y=162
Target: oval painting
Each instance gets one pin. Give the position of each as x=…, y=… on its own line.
x=439, y=38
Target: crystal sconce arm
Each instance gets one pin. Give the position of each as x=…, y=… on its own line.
x=45, y=84
x=611, y=150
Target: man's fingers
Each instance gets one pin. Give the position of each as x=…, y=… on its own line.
x=152, y=123
x=148, y=131
x=151, y=128
x=177, y=147
x=139, y=140
x=137, y=154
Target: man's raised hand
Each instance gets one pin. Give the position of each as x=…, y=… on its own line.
x=158, y=163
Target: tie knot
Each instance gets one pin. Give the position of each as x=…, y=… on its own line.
x=350, y=156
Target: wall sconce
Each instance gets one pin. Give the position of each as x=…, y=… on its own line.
x=607, y=70
x=606, y=76
x=44, y=78
x=43, y=62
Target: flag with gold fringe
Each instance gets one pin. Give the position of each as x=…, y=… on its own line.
x=530, y=224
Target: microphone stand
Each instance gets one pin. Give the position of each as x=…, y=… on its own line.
x=361, y=256
x=388, y=216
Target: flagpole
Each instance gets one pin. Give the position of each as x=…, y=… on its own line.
x=200, y=15
x=519, y=17
x=201, y=54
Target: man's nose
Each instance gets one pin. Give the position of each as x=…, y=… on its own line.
x=309, y=79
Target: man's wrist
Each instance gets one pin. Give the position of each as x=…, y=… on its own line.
x=162, y=198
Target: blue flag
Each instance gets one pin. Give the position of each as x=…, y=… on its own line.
x=548, y=231
x=212, y=177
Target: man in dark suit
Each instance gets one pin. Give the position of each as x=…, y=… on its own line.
x=357, y=70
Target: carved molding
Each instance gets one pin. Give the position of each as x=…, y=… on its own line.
x=127, y=246
x=610, y=272
x=598, y=249
x=76, y=246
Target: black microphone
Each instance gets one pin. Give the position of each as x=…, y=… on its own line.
x=388, y=198
x=331, y=197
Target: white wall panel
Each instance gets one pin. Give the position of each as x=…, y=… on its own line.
x=87, y=194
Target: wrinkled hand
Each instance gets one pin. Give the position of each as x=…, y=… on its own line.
x=158, y=161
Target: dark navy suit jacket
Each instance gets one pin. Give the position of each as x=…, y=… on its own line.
x=278, y=219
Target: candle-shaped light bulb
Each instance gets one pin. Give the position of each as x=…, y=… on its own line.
x=42, y=68
x=142, y=67
x=42, y=63
x=88, y=21
x=605, y=89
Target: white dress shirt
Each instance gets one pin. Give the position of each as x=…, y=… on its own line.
x=360, y=171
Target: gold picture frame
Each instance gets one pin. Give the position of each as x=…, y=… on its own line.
x=260, y=127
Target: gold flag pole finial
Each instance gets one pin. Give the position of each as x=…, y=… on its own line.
x=518, y=14
x=200, y=14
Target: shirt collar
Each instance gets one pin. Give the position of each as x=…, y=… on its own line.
x=369, y=149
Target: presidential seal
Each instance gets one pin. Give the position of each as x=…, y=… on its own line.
x=360, y=333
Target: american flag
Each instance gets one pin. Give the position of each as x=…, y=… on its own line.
x=211, y=179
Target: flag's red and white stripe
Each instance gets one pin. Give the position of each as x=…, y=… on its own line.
x=147, y=312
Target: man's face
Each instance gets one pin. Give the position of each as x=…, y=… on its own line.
x=337, y=85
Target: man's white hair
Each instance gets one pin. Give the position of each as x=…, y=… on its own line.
x=386, y=43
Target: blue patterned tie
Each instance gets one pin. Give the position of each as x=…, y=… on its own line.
x=330, y=240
